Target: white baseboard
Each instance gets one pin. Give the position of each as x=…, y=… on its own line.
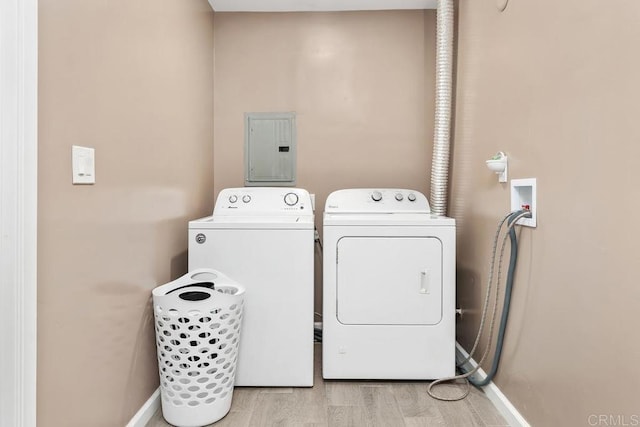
x=499, y=400
x=146, y=412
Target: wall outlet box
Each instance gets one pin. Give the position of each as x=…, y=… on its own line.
x=524, y=193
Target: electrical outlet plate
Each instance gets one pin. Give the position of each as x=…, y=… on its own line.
x=524, y=192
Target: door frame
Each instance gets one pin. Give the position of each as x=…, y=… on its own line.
x=18, y=210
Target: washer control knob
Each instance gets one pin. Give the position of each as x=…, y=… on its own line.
x=246, y=198
x=376, y=196
x=399, y=197
x=291, y=199
x=233, y=198
x=411, y=197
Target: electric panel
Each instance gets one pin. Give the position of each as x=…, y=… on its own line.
x=270, y=149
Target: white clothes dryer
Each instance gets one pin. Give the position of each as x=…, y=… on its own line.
x=389, y=287
x=263, y=238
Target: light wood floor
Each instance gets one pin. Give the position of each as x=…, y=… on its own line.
x=353, y=403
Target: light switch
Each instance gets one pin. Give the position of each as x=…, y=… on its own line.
x=83, y=165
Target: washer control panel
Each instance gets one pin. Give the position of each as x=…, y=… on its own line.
x=373, y=200
x=263, y=200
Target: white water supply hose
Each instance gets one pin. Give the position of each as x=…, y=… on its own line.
x=442, y=122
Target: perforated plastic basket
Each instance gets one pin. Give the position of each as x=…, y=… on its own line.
x=197, y=322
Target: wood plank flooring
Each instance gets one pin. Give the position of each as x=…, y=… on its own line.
x=331, y=403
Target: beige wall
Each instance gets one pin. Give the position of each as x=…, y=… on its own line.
x=361, y=84
x=555, y=85
x=134, y=80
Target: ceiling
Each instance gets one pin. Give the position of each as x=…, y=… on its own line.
x=317, y=5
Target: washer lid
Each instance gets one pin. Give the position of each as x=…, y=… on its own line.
x=372, y=200
x=253, y=222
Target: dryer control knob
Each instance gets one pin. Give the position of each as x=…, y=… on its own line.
x=399, y=197
x=233, y=198
x=411, y=197
x=291, y=199
x=246, y=198
x=376, y=196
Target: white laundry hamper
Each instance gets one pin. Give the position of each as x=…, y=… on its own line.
x=197, y=323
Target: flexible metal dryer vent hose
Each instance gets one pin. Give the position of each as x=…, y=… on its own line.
x=442, y=122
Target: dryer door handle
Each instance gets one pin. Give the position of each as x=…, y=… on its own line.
x=424, y=281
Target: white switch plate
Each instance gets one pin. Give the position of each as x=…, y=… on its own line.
x=313, y=202
x=83, y=165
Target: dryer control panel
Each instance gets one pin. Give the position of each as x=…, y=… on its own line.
x=373, y=200
x=263, y=201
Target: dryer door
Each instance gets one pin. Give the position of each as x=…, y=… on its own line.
x=389, y=280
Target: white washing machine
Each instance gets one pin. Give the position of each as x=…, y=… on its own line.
x=389, y=287
x=263, y=238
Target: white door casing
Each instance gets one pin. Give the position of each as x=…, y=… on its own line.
x=18, y=211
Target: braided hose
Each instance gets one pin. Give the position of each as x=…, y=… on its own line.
x=442, y=124
x=513, y=219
